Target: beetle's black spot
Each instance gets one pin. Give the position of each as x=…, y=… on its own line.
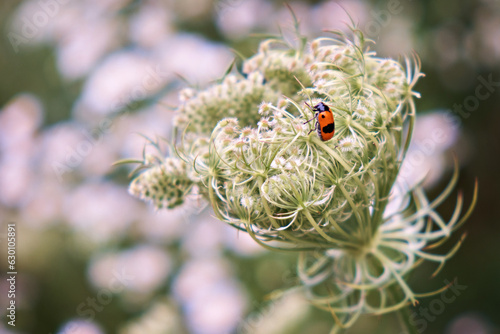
x=329, y=128
x=322, y=116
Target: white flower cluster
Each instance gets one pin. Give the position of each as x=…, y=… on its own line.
x=277, y=180
x=247, y=145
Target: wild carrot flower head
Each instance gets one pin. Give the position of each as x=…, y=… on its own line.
x=246, y=146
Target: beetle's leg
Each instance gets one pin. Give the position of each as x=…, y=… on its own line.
x=310, y=120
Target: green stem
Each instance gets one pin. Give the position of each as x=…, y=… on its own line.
x=403, y=314
x=404, y=319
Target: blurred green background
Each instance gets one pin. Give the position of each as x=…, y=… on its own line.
x=67, y=66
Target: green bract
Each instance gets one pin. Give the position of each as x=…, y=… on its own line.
x=246, y=146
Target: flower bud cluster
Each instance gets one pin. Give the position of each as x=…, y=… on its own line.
x=234, y=97
x=163, y=184
x=281, y=68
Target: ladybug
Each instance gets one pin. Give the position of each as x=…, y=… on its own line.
x=325, y=123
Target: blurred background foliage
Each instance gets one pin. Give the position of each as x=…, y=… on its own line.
x=123, y=62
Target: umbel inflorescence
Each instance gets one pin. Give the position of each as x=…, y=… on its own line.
x=244, y=145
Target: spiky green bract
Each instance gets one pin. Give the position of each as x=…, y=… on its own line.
x=247, y=147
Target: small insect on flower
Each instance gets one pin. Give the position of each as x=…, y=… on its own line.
x=325, y=123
